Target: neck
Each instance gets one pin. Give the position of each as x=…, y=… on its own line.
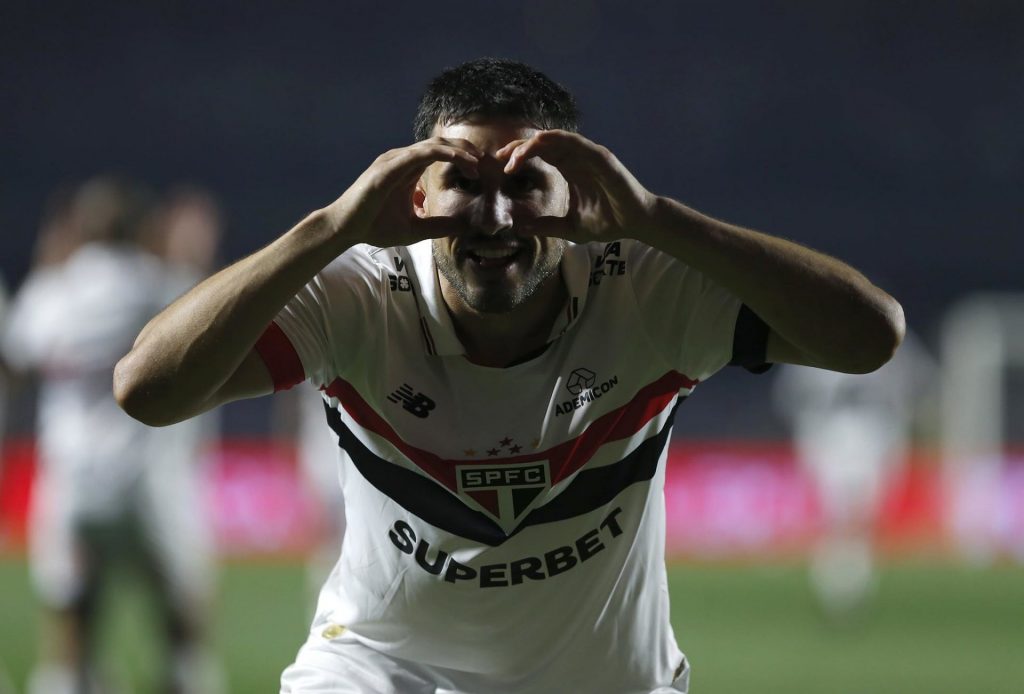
x=503, y=339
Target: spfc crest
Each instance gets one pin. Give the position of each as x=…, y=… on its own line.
x=504, y=492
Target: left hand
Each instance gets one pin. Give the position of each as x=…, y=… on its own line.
x=606, y=202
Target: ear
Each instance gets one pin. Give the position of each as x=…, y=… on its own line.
x=419, y=200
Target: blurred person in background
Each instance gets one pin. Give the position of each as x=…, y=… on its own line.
x=5, y=373
x=317, y=452
x=5, y=378
x=852, y=435
x=111, y=493
x=184, y=231
x=53, y=245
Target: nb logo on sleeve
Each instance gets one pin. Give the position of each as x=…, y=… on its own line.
x=415, y=403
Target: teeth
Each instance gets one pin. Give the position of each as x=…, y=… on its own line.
x=495, y=253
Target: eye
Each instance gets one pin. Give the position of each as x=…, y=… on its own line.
x=522, y=183
x=463, y=183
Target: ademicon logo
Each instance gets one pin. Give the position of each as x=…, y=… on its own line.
x=583, y=384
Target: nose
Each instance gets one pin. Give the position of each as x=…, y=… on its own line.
x=493, y=213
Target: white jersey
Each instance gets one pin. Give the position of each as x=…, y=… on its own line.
x=506, y=524
x=72, y=323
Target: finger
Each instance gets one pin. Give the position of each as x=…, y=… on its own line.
x=518, y=154
x=443, y=151
x=559, y=148
x=467, y=163
x=468, y=168
x=413, y=161
x=545, y=136
x=506, y=151
x=464, y=144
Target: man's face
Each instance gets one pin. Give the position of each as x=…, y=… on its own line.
x=493, y=266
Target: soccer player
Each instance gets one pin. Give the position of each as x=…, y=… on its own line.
x=502, y=320
x=851, y=434
x=109, y=491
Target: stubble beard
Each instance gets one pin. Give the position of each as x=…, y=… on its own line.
x=501, y=298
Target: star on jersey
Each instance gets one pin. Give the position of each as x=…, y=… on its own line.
x=506, y=446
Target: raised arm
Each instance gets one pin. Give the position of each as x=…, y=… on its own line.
x=821, y=311
x=198, y=352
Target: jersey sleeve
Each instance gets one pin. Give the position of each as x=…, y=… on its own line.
x=697, y=324
x=325, y=329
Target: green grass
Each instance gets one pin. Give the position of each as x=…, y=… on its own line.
x=262, y=617
x=934, y=628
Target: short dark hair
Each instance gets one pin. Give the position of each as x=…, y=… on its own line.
x=494, y=87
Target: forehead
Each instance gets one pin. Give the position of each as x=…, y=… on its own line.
x=488, y=134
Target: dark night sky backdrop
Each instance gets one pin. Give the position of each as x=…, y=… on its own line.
x=890, y=134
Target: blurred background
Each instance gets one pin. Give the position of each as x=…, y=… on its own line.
x=825, y=534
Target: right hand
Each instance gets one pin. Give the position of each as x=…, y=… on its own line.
x=378, y=208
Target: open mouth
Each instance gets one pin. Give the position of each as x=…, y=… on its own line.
x=494, y=257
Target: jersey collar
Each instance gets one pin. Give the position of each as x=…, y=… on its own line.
x=439, y=335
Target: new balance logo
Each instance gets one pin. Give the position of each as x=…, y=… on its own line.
x=415, y=403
